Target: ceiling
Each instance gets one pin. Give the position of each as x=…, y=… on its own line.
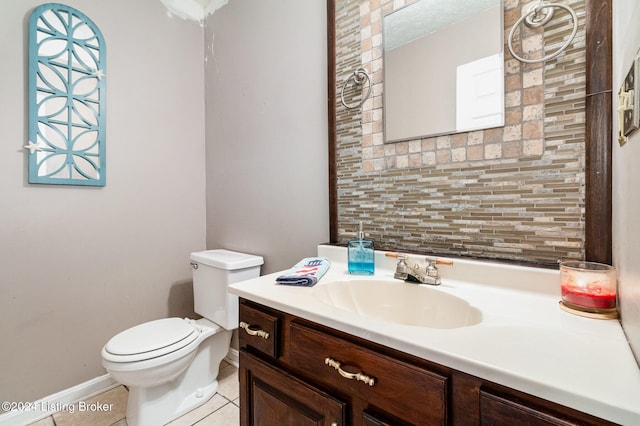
x=427, y=16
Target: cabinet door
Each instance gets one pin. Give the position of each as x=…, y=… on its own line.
x=272, y=397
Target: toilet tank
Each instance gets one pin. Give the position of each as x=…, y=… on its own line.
x=213, y=271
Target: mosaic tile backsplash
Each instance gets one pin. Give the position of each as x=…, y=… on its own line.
x=515, y=192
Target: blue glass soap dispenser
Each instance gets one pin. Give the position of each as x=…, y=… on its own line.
x=361, y=255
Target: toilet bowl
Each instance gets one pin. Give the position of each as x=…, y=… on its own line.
x=171, y=365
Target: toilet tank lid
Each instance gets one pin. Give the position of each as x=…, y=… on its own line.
x=227, y=259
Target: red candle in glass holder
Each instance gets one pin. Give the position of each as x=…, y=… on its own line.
x=588, y=285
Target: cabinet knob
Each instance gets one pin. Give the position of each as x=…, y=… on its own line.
x=251, y=332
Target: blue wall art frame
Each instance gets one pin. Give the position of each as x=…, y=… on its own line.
x=67, y=83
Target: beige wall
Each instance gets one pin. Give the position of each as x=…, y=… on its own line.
x=626, y=175
x=267, y=170
x=79, y=264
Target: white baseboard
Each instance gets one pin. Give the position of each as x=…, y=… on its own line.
x=233, y=358
x=51, y=404
x=58, y=401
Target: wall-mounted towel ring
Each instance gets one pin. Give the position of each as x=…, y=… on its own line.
x=359, y=77
x=539, y=14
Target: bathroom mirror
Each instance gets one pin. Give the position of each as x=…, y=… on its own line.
x=67, y=62
x=429, y=90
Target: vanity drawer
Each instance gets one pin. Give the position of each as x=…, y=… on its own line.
x=405, y=390
x=497, y=409
x=259, y=329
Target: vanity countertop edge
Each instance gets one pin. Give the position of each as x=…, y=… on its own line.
x=524, y=341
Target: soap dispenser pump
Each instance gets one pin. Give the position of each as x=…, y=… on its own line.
x=361, y=255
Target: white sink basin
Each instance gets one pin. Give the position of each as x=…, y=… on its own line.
x=399, y=302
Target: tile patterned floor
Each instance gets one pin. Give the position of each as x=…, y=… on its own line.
x=221, y=410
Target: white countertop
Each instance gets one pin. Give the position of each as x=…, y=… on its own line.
x=524, y=340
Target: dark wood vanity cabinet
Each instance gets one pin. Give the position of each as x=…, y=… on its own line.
x=296, y=372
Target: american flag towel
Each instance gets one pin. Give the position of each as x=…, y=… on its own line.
x=305, y=273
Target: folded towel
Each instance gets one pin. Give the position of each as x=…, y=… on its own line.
x=305, y=273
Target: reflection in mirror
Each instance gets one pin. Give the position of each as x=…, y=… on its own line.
x=443, y=68
x=67, y=60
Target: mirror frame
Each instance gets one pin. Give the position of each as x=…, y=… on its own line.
x=598, y=129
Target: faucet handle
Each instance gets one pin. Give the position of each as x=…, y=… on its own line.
x=401, y=267
x=432, y=269
x=436, y=261
x=397, y=256
x=402, y=260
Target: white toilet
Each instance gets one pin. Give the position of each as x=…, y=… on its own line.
x=171, y=365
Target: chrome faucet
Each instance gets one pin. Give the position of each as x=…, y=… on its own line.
x=428, y=274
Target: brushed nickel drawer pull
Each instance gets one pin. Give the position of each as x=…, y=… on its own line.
x=251, y=332
x=351, y=376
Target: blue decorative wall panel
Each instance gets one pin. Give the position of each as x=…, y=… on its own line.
x=67, y=70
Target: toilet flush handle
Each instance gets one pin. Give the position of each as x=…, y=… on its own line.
x=194, y=265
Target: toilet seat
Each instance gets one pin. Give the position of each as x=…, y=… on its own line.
x=151, y=340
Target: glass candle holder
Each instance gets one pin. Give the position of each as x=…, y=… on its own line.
x=588, y=287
